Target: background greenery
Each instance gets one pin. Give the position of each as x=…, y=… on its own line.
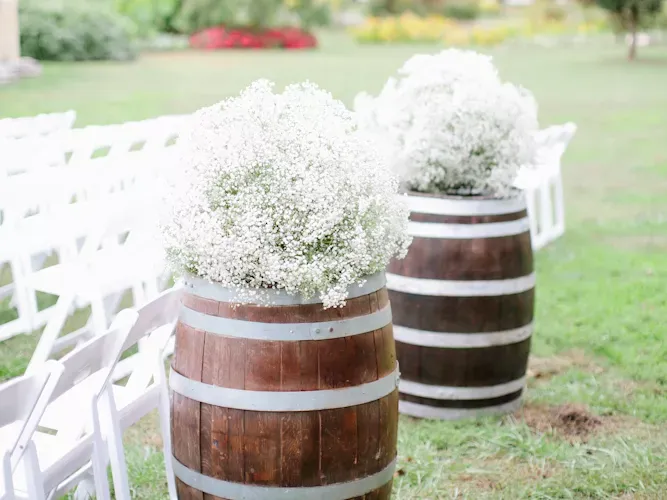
x=601, y=296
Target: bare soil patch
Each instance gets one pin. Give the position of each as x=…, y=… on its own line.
x=573, y=422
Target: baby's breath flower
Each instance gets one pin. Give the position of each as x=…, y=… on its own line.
x=449, y=125
x=281, y=191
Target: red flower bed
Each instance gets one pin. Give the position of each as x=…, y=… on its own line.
x=241, y=38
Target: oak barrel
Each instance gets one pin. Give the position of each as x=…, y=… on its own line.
x=462, y=305
x=284, y=401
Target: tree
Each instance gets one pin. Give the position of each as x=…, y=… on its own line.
x=631, y=15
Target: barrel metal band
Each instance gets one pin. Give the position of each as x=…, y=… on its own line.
x=323, y=330
x=424, y=411
x=445, y=206
x=203, y=288
x=240, y=491
x=460, y=393
x=275, y=401
x=468, y=231
x=461, y=340
x=449, y=288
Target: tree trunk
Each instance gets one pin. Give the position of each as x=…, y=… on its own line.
x=634, y=21
x=9, y=30
x=391, y=6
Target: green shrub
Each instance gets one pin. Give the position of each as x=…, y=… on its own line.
x=461, y=11
x=150, y=16
x=387, y=8
x=74, y=31
x=194, y=15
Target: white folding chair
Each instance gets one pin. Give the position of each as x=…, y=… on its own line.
x=553, y=143
x=22, y=404
x=42, y=124
x=99, y=271
x=70, y=444
x=42, y=190
x=146, y=386
x=543, y=185
x=6, y=483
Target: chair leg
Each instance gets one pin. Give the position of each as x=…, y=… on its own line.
x=163, y=411
x=98, y=315
x=97, y=460
x=7, y=475
x=85, y=490
x=560, y=206
x=114, y=434
x=51, y=332
x=33, y=475
x=546, y=209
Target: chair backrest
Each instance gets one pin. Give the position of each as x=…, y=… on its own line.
x=98, y=354
x=22, y=403
x=36, y=125
x=91, y=364
x=151, y=332
x=162, y=310
x=552, y=143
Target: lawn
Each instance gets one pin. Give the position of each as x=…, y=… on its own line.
x=594, y=421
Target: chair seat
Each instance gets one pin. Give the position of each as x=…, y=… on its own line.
x=131, y=405
x=56, y=459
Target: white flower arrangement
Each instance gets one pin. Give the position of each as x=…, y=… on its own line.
x=281, y=191
x=450, y=125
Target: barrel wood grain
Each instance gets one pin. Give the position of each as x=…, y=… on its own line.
x=187, y=413
x=486, y=365
x=292, y=449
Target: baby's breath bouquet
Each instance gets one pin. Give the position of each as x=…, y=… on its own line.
x=449, y=125
x=282, y=191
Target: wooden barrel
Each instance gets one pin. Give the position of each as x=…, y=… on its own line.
x=285, y=401
x=462, y=305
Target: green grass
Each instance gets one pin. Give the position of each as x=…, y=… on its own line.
x=601, y=300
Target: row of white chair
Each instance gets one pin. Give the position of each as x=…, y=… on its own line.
x=48, y=173
x=63, y=422
x=543, y=185
x=43, y=124
x=87, y=195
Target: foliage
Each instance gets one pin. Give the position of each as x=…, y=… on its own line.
x=282, y=191
x=601, y=294
x=195, y=15
x=150, y=16
x=449, y=125
x=461, y=11
x=489, y=7
x=405, y=28
x=410, y=28
x=74, y=31
x=632, y=15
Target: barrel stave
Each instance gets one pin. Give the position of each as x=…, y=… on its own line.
x=473, y=367
x=463, y=335
x=289, y=449
x=186, y=413
x=462, y=314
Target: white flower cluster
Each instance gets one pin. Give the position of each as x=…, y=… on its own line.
x=281, y=191
x=450, y=125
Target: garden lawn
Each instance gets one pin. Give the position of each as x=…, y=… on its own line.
x=594, y=422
